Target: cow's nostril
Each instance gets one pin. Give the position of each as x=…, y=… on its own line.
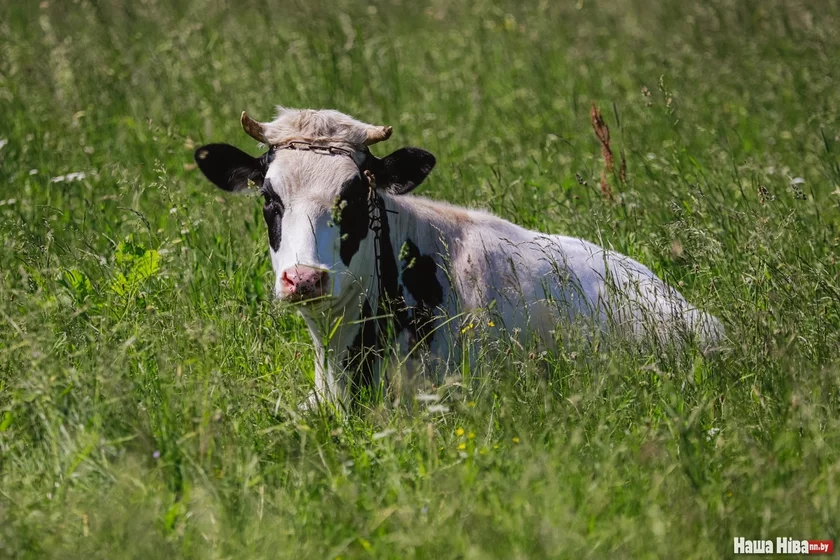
x=287, y=280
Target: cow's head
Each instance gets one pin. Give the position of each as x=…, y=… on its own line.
x=316, y=202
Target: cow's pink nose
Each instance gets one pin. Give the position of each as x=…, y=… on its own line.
x=303, y=282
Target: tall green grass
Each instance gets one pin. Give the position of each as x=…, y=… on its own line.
x=149, y=387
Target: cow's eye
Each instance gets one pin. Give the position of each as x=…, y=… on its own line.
x=268, y=193
x=272, y=202
x=273, y=206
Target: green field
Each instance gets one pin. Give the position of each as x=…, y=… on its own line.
x=149, y=385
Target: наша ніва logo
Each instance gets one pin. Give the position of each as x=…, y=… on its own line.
x=782, y=545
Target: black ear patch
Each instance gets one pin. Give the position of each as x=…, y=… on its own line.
x=401, y=171
x=229, y=168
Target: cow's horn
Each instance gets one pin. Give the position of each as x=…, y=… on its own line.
x=378, y=134
x=253, y=128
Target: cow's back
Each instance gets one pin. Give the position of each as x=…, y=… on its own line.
x=540, y=282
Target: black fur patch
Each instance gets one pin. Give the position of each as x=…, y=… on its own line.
x=389, y=287
x=351, y=215
x=419, y=276
x=273, y=213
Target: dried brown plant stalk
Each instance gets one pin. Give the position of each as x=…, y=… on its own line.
x=602, y=132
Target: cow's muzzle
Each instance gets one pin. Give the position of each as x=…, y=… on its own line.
x=303, y=283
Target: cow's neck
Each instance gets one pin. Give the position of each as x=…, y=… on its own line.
x=354, y=353
x=410, y=256
x=407, y=245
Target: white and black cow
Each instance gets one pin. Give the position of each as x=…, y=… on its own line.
x=370, y=264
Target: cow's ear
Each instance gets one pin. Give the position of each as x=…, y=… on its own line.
x=230, y=168
x=401, y=171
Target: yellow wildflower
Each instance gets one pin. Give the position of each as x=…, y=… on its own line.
x=462, y=446
x=459, y=432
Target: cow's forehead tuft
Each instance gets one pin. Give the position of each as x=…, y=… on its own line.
x=311, y=124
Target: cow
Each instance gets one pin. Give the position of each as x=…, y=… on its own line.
x=375, y=270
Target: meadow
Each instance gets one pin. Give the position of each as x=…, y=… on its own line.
x=149, y=384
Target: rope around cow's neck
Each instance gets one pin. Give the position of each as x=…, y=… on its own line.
x=375, y=225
